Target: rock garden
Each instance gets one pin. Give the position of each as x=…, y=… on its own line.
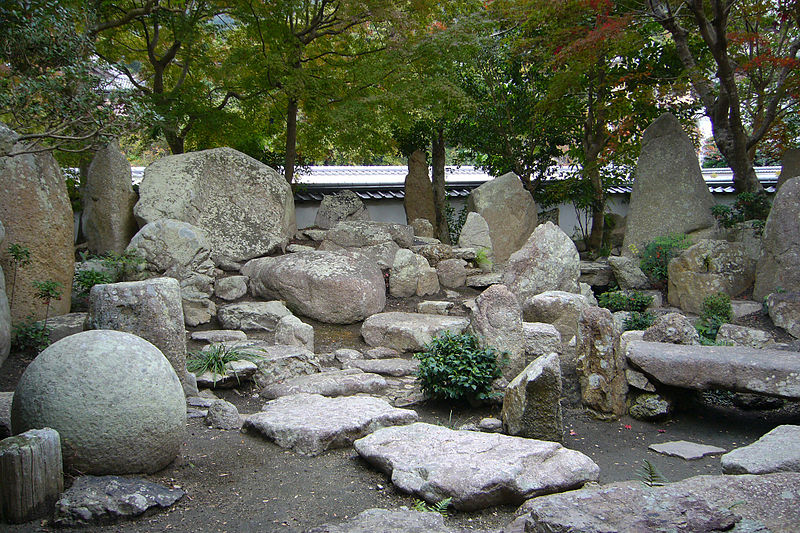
x=217, y=369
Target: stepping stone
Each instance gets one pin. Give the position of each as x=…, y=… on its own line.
x=476, y=470
x=408, y=332
x=395, y=367
x=685, y=449
x=311, y=424
x=106, y=498
x=399, y=521
x=776, y=451
x=219, y=335
x=334, y=383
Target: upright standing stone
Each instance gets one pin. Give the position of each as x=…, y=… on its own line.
x=669, y=194
x=475, y=234
x=108, y=200
x=497, y=320
x=601, y=365
x=418, y=200
x=532, y=403
x=779, y=266
x=508, y=209
x=790, y=167
x=245, y=207
x=338, y=207
x=5, y=311
x=36, y=213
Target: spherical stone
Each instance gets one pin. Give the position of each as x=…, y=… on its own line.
x=113, y=397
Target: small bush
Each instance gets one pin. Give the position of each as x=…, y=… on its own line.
x=86, y=279
x=624, y=300
x=456, y=367
x=30, y=336
x=214, y=360
x=124, y=264
x=639, y=320
x=748, y=206
x=716, y=311
x=659, y=252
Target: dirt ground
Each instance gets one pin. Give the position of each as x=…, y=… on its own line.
x=238, y=482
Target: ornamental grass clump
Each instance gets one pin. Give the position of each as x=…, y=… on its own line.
x=457, y=367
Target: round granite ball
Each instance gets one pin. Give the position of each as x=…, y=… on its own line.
x=113, y=397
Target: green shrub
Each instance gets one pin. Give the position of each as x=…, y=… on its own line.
x=716, y=311
x=456, y=367
x=624, y=300
x=86, y=279
x=30, y=336
x=639, y=320
x=454, y=222
x=748, y=206
x=124, y=264
x=659, y=252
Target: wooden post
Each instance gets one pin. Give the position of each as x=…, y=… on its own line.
x=31, y=475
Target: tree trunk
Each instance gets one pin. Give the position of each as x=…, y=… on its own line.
x=291, y=140
x=175, y=142
x=439, y=190
x=598, y=209
x=735, y=152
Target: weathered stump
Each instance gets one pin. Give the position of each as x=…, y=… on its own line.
x=31, y=475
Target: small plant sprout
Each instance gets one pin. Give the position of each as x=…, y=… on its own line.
x=650, y=475
x=21, y=257
x=439, y=507
x=47, y=291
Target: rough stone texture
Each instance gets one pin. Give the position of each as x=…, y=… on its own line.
x=561, y=309
x=294, y=248
x=434, y=252
x=340, y=206
x=749, y=234
x=669, y=194
x=231, y=288
x=36, y=213
x=223, y=415
x=649, y=407
x=587, y=292
x=477, y=470
x=635, y=379
x=685, y=450
x=700, y=504
x=776, y=451
x=742, y=308
x=108, y=200
x=333, y=383
x=627, y=273
x=596, y=273
x=383, y=520
x=508, y=209
x=134, y=420
x=326, y=286
x=5, y=414
x=744, y=336
x=292, y=331
x=673, y=328
x=245, y=207
x=104, y=499
x=540, y=339
x=360, y=234
x=252, y=316
x=481, y=281
x=452, y=273
x=779, y=266
x=531, y=405
x=475, y=234
x=180, y=250
x=435, y=307
x=408, y=332
x=276, y=362
x=496, y=319
x=790, y=167
x=600, y=363
x=411, y=275
x=784, y=310
x=65, y=325
x=418, y=201
x=549, y=261
x=395, y=367
x=422, y=228
x=707, y=268
x=737, y=368
x=219, y=335
x=236, y=373
x=5, y=316
x=150, y=309
x=311, y=424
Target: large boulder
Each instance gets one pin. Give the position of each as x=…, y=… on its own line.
x=338, y=207
x=532, y=402
x=5, y=320
x=263, y=316
x=784, y=310
x=134, y=418
x=330, y=287
x=497, y=320
x=418, y=200
x=108, y=200
x=669, y=194
x=779, y=266
x=408, y=332
x=601, y=364
x=412, y=275
x=776, y=451
x=361, y=234
x=706, y=269
x=673, y=328
x=790, y=166
x=559, y=308
x=245, y=207
x=346, y=382
x=549, y=261
x=36, y=213
x=508, y=209
x=627, y=273
x=402, y=520
x=475, y=234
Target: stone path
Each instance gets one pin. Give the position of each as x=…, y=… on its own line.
x=333, y=383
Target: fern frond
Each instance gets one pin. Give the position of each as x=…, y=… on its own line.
x=650, y=475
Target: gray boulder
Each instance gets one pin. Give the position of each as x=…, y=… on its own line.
x=395, y=367
x=790, y=166
x=531, y=405
x=540, y=339
x=496, y=319
x=784, y=310
x=292, y=331
x=744, y=336
x=596, y=273
x=255, y=316
x=275, y=362
x=5, y=414
x=669, y=194
x=108, y=200
x=559, y=308
x=360, y=234
x=452, y=273
x=627, y=273
x=418, y=199
x=422, y=228
x=600, y=364
x=475, y=234
x=345, y=382
x=411, y=275
x=408, y=332
x=234, y=374
x=340, y=206
x=776, y=451
x=477, y=470
x=248, y=216
x=779, y=266
x=223, y=415
x=133, y=421
x=230, y=288
x=649, y=406
x=219, y=335
x=326, y=286
x=673, y=328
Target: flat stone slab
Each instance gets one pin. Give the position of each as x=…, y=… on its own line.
x=698, y=504
x=334, y=383
x=396, y=367
x=476, y=470
x=311, y=424
x=397, y=521
x=236, y=373
x=408, y=332
x=277, y=362
x=776, y=451
x=479, y=281
x=107, y=498
x=685, y=449
x=736, y=368
x=219, y=335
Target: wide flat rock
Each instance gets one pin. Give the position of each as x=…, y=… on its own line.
x=408, y=332
x=396, y=521
x=698, y=504
x=476, y=470
x=737, y=368
x=396, y=367
x=334, y=383
x=685, y=449
x=776, y=451
x=311, y=423
x=276, y=362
